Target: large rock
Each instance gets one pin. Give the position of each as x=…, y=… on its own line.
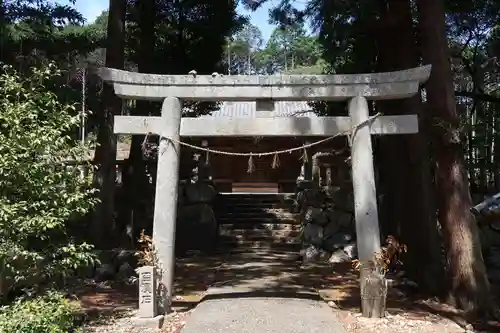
x=348, y=253
x=346, y=220
x=339, y=257
x=196, y=228
x=125, y=256
x=315, y=216
x=313, y=234
x=337, y=241
x=105, y=272
x=344, y=199
x=125, y=271
x=332, y=227
x=305, y=184
x=310, y=254
x=197, y=214
x=200, y=193
x=311, y=197
x=351, y=250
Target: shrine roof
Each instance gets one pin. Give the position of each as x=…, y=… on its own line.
x=248, y=110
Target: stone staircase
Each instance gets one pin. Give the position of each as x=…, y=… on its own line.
x=252, y=222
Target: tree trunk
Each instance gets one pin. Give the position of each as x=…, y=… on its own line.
x=105, y=154
x=407, y=204
x=137, y=185
x=471, y=116
x=469, y=287
x=496, y=148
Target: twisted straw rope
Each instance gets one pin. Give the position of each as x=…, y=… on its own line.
x=348, y=132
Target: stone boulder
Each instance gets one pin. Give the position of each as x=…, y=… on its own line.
x=310, y=197
x=105, y=272
x=346, y=220
x=337, y=241
x=196, y=228
x=331, y=228
x=310, y=254
x=344, y=199
x=351, y=250
x=347, y=253
x=125, y=256
x=315, y=215
x=305, y=185
x=313, y=234
x=199, y=193
x=339, y=257
x=125, y=271
x=197, y=214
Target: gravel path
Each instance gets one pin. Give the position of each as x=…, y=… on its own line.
x=248, y=297
x=257, y=315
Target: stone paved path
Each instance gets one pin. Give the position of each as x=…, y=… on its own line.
x=262, y=293
x=258, y=315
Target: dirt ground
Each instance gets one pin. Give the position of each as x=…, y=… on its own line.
x=405, y=312
x=109, y=307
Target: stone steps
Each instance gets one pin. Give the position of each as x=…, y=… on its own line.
x=262, y=254
x=258, y=234
x=283, y=216
x=253, y=209
x=257, y=221
x=270, y=197
x=258, y=239
x=260, y=226
x=253, y=206
x=261, y=245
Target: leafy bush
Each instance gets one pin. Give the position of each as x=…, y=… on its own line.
x=51, y=313
x=41, y=190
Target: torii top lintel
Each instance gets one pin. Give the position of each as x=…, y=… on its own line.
x=154, y=87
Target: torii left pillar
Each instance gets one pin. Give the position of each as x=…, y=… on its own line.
x=165, y=211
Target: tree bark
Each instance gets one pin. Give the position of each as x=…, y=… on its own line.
x=105, y=154
x=469, y=287
x=136, y=186
x=407, y=204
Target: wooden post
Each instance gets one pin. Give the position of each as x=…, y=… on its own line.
x=365, y=209
x=165, y=212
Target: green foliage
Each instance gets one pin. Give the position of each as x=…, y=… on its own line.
x=36, y=31
x=41, y=191
x=289, y=50
x=51, y=313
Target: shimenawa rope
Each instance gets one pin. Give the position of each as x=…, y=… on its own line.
x=349, y=133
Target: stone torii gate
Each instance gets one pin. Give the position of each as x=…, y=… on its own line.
x=173, y=89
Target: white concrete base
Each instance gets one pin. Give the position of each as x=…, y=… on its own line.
x=148, y=323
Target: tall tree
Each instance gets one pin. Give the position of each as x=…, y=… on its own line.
x=469, y=285
x=243, y=46
x=33, y=32
x=105, y=154
x=405, y=178
x=135, y=179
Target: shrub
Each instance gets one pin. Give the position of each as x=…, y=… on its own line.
x=51, y=313
x=41, y=190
